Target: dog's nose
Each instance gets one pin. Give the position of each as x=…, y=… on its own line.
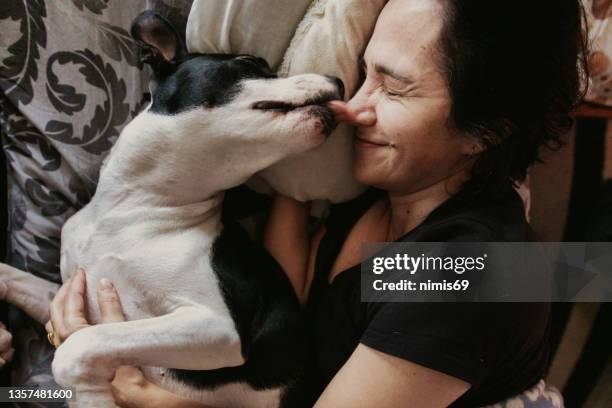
x=338, y=82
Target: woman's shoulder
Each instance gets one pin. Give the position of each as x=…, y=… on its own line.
x=476, y=217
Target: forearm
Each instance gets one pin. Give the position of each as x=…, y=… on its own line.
x=286, y=238
x=145, y=394
x=159, y=398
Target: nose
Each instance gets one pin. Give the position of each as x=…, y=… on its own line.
x=339, y=84
x=360, y=109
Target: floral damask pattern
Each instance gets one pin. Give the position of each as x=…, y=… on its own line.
x=20, y=69
x=599, y=13
x=70, y=80
x=539, y=396
x=96, y=136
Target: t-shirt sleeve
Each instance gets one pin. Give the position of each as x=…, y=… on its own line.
x=446, y=337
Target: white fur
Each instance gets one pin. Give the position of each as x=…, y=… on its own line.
x=149, y=229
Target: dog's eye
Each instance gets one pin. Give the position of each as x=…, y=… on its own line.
x=260, y=62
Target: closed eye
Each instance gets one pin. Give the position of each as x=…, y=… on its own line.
x=260, y=62
x=391, y=93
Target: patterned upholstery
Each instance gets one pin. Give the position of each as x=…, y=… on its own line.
x=539, y=396
x=600, y=41
x=70, y=80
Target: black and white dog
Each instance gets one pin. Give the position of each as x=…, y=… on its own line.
x=215, y=311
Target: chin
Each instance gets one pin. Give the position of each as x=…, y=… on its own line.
x=368, y=176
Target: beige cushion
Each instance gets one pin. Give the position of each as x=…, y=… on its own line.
x=262, y=27
x=329, y=40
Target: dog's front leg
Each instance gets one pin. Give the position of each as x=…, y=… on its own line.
x=193, y=338
x=30, y=293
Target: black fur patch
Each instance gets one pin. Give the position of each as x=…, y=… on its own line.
x=206, y=81
x=268, y=316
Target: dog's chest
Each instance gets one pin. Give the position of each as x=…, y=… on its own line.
x=155, y=265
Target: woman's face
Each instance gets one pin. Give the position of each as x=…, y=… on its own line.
x=410, y=146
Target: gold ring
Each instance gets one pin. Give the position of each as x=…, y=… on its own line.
x=51, y=337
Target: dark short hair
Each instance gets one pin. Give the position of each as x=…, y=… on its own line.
x=515, y=69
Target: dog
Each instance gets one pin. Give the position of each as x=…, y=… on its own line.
x=211, y=315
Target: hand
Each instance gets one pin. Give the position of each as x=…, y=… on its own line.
x=6, y=351
x=130, y=388
x=67, y=310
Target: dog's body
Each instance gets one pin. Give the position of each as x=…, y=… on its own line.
x=219, y=312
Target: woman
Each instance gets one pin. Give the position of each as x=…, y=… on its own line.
x=458, y=97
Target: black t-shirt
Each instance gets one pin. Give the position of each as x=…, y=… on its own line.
x=501, y=349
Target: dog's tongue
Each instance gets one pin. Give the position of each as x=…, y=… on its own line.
x=344, y=114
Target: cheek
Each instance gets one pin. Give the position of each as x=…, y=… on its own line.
x=413, y=121
x=425, y=147
x=418, y=124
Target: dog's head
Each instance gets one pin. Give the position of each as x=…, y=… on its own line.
x=231, y=115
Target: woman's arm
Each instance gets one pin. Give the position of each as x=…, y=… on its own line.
x=286, y=238
x=6, y=350
x=371, y=378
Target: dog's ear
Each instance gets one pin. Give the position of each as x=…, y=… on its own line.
x=160, y=44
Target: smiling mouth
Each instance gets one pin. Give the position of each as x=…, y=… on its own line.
x=374, y=143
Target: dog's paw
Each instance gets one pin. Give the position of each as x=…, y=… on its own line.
x=78, y=361
x=67, y=367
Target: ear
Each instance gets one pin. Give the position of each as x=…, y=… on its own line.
x=472, y=147
x=159, y=41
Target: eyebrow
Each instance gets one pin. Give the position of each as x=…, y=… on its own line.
x=381, y=69
x=384, y=70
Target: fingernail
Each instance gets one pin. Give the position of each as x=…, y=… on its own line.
x=106, y=284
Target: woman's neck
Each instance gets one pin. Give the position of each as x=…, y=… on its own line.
x=405, y=211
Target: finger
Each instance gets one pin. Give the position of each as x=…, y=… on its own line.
x=5, y=340
x=128, y=387
x=74, y=312
x=55, y=338
x=56, y=311
x=2, y=326
x=7, y=356
x=109, y=303
x=130, y=375
x=119, y=395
